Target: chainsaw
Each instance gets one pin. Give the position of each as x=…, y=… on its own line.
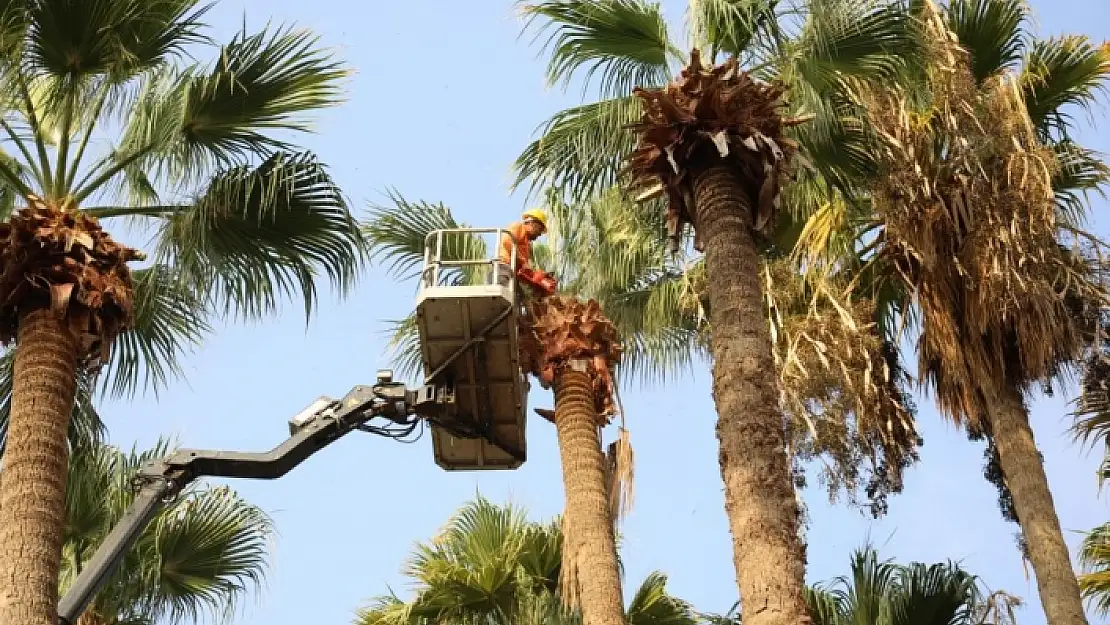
x=542, y=282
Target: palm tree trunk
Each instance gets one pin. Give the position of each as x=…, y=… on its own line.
x=759, y=493
x=1028, y=484
x=32, y=494
x=587, y=506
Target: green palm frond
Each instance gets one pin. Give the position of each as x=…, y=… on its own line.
x=1094, y=557
x=826, y=607
x=74, y=39
x=85, y=425
x=652, y=605
x=936, y=593
x=580, y=150
x=733, y=27
x=404, y=346
x=1060, y=74
x=851, y=39
x=1080, y=173
x=210, y=549
x=398, y=234
x=490, y=565
x=624, y=41
x=994, y=32
x=199, y=555
x=170, y=320
x=259, y=234
x=188, y=122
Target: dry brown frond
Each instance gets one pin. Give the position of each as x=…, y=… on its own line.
x=563, y=329
x=619, y=476
x=63, y=260
x=568, y=568
x=841, y=384
x=705, y=116
x=970, y=225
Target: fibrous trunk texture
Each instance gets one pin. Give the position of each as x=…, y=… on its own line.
x=65, y=294
x=32, y=493
x=1024, y=473
x=759, y=493
x=588, y=514
x=572, y=345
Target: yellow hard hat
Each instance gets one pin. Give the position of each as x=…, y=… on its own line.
x=538, y=214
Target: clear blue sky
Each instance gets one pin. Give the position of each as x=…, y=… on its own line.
x=445, y=96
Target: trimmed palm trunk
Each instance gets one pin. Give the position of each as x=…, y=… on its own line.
x=66, y=293
x=32, y=495
x=1028, y=485
x=759, y=493
x=712, y=143
x=570, y=344
x=587, y=505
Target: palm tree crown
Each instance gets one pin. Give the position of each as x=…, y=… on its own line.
x=103, y=116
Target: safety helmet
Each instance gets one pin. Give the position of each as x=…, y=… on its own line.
x=538, y=214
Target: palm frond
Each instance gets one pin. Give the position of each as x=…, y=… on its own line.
x=1094, y=557
x=170, y=320
x=260, y=234
x=1079, y=173
x=943, y=591
x=194, y=121
x=399, y=234
x=624, y=41
x=85, y=425
x=1059, y=74
x=404, y=347
x=732, y=27
x=580, y=150
x=826, y=607
x=994, y=32
x=206, y=552
x=852, y=39
x=75, y=39
x=200, y=554
x=652, y=605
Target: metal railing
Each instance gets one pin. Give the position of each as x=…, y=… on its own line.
x=435, y=263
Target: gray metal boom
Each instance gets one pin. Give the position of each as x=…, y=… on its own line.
x=322, y=423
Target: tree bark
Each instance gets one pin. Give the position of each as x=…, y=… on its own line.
x=759, y=492
x=33, y=492
x=587, y=506
x=1025, y=477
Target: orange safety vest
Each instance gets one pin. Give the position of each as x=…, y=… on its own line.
x=523, y=246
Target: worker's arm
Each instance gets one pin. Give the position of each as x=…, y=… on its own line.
x=523, y=247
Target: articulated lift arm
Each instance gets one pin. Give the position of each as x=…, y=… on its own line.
x=314, y=428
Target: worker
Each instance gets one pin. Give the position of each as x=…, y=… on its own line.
x=532, y=225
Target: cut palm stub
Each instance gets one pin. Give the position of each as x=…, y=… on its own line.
x=62, y=260
x=571, y=345
x=708, y=116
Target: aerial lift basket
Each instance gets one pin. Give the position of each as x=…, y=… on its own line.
x=468, y=341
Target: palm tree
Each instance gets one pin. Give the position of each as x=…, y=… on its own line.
x=490, y=564
x=199, y=555
x=241, y=219
x=999, y=312
x=881, y=592
x=712, y=142
x=574, y=347
x=833, y=364
x=1094, y=557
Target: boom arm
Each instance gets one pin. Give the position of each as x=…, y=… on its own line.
x=316, y=427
